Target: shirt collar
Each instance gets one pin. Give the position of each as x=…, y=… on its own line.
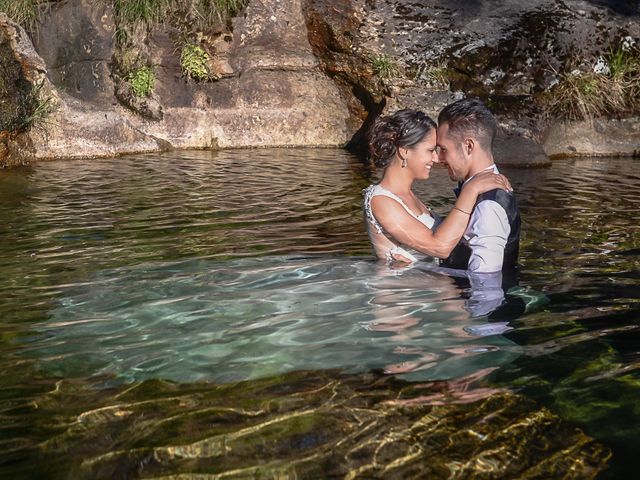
x=490, y=167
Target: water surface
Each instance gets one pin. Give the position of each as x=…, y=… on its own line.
x=209, y=268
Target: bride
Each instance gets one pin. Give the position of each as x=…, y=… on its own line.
x=400, y=226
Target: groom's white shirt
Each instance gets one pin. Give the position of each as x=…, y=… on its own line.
x=487, y=234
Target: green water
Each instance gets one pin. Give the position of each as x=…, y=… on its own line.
x=203, y=313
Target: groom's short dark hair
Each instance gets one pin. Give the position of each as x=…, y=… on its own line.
x=470, y=118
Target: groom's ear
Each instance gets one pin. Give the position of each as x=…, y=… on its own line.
x=469, y=145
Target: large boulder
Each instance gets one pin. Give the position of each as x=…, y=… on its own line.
x=273, y=93
x=510, y=54
x=600, y=137
x=266, y=86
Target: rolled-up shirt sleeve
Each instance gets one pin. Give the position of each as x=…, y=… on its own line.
x=487, y=236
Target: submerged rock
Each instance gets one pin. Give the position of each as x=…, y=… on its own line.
x=320, y=424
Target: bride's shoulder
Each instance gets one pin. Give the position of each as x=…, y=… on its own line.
x=375, y=189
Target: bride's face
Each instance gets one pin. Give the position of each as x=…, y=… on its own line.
x=422, y=156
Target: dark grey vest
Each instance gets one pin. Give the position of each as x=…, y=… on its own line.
x=459, y=257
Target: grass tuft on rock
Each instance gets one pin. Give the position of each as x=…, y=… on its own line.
x=434, y=76
x=42, y=107
x=194, y=62
x=384, y=67
x=201, y=14
x=23, y=12
x=23, y=104
x=142, y=81
x=610, y=87
x=133, y=11
x=220, y=10
x=27, y=111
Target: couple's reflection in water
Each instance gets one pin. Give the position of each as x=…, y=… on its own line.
x=462, y=332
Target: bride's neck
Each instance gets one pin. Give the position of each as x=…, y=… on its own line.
x=397, y=179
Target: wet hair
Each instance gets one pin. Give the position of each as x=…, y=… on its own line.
x=405, y=128
x=470, y=118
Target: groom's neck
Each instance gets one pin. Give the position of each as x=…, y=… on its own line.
x=481, y=162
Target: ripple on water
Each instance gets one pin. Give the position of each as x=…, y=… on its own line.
x=250, y=318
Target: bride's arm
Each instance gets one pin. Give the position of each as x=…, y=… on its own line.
x=407, y=230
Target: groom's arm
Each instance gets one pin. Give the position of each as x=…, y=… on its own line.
x=487, y=236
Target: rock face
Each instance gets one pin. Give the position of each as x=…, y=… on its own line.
x=276, y=96
x=303, y=425
x=75, y=41
x=597, y=138
x=272, y=91
x=305, y=73
x=71, y=127
x=20, y=71
x=508, y=53
x=503, y=51
x=336, y=39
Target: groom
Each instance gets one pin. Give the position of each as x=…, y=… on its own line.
x=466, y=130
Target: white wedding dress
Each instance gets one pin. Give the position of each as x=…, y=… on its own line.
x=383, y=245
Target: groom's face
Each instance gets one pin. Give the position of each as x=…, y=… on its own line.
x=451, y=154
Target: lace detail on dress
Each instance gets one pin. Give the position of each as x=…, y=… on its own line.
x=428, y=219
x=369, y=193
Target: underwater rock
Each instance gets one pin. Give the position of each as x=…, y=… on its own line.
x=313, y=424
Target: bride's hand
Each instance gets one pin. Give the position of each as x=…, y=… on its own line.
x=485, y=181
x=396, y=257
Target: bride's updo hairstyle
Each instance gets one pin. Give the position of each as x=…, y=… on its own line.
x=404, y=128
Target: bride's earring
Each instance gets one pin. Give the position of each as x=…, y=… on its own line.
x=404, y=160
